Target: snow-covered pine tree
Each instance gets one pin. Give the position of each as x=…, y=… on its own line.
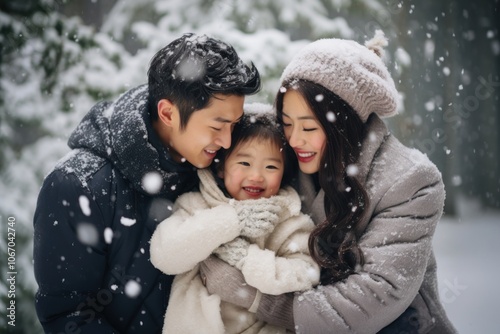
x=52, y=69
x=267, y=33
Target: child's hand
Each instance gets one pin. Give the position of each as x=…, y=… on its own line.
x=233, y=251
x=258, y=218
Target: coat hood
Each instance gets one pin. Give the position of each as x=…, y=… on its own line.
x=121, y=132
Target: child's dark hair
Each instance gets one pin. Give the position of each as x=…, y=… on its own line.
x=333, y=243
x=192, y=69
x=260, y=125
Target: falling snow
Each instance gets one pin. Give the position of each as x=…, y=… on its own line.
x=352, y=170
x=87, y=234
x=330, y=116
x=132, y=289
x=108, y=235
x=243, y=293
x=127, y=221
x=293, y=247
x=191, y=68
x=152, y=182
x=312, y=273
x=456, y=180
x=84, y=205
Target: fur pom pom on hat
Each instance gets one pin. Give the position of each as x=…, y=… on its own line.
x=354, y=72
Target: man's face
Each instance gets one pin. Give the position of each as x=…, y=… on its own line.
x=207, y=130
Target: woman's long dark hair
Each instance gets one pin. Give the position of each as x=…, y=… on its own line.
x=333, y=243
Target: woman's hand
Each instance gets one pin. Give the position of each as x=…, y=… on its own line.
x=227, y=282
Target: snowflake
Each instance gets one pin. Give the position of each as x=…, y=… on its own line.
x=132, y=289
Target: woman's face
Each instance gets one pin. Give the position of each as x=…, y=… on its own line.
x=303, y=132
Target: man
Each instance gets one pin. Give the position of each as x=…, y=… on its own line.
x=130, y=160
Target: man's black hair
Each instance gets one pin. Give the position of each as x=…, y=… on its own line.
x=192, y=69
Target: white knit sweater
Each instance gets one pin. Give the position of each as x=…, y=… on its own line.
x=202, y=221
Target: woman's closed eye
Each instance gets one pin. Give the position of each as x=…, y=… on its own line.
x=244, y=163
x=288, y=125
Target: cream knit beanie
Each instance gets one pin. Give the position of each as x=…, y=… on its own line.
x=354, y=72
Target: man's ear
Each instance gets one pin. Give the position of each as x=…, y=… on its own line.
x=165, y=111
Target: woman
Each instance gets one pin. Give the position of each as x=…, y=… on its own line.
x=375, y=202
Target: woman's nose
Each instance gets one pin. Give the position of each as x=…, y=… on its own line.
x=295, y=140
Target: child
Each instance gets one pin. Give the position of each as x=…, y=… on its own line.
x=252, y=221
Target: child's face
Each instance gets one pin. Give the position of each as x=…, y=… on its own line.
x=254, y=169
x=206, y=131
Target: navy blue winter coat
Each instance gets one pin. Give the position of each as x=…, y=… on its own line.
x=95, y=215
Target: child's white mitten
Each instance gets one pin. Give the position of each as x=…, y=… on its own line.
x=257, y=217
x=233, y=252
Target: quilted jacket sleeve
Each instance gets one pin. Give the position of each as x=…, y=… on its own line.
x=68, y=252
